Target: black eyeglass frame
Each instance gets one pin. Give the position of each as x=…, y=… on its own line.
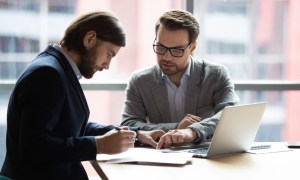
x=170, y=49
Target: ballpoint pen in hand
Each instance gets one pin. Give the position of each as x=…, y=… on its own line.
x=118, y=129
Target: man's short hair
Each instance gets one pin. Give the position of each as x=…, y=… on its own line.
x=179, y=19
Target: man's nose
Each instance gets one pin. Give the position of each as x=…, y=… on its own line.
x=167, y=55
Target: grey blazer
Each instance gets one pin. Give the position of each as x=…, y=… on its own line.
x=209, y=90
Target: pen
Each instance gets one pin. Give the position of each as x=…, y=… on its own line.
x=118, y=129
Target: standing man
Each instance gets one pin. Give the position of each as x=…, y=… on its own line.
x=48, y=133
x=180, y=95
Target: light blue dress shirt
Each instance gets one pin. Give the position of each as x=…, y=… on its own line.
x=176, y=96
x=73, y=65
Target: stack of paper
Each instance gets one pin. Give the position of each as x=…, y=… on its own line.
x=146, y=156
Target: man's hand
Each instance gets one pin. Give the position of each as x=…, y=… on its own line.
x=188, y=120
x=177, y=136
x=150, y=137
x=115, y=141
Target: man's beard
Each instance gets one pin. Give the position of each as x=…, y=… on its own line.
x=87, y=64
x=169, y=71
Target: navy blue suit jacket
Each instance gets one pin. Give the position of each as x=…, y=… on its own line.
x=48, y=133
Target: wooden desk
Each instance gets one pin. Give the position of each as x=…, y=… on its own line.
x=279, y=165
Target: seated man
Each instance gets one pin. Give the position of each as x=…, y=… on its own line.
x=180, y=94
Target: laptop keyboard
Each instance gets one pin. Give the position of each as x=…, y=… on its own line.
x=258, y=147
x=198, y=151
x=204, y=150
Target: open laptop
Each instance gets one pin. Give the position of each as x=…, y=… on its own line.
x=235, y=132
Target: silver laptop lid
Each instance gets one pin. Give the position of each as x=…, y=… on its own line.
x=236, y=129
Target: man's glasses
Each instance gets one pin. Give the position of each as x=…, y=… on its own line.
x=176, y=52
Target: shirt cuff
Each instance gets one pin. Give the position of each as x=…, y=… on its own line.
x=199, y=139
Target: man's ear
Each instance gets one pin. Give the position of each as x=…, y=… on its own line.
x=90, y=39
x=193, y=46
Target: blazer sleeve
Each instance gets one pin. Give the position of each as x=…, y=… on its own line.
x=95, y=129
x=223, y=95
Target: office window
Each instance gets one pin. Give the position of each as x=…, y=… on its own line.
x=11, y=70
x=249, y=32
x=230, y=7
x=9, y=44
x=59, y=6
x=256, y=40
x=218, y=47
x=32, y=5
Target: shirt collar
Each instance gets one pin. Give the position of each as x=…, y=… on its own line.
x=70, y=60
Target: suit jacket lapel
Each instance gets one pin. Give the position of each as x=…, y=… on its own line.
x=160, y=93
x=193, y=88
x=70, y=73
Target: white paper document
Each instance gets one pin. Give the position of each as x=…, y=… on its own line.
x=146, y=156
x=275, y=147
